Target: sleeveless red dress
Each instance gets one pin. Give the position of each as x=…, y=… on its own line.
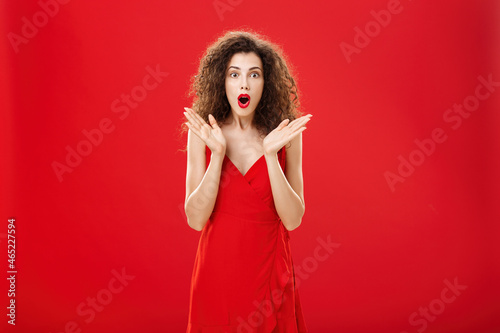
x=243, y=278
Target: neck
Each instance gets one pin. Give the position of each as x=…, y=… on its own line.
x=243, y=123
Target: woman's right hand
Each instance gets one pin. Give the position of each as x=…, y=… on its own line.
x=210, y=134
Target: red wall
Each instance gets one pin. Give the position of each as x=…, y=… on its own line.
x=403, y=183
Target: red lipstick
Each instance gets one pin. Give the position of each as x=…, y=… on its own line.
x=243, y=100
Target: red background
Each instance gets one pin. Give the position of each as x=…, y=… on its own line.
x=121, y=206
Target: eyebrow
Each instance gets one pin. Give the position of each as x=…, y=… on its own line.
x=256, y=67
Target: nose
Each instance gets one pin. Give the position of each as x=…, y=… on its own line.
x=244, y=84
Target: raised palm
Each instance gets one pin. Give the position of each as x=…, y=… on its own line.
x=284, y=133
x=210, y=134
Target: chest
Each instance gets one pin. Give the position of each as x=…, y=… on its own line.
x=244, y=151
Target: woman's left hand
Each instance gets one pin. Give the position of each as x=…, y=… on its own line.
x=284, y=133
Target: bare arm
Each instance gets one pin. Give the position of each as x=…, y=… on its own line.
x=200, y=183
x=288, y=189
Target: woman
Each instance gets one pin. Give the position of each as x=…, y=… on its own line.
x=245, y=192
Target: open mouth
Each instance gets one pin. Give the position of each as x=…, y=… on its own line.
x=243, y=100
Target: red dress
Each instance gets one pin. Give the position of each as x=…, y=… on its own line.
x=243, y=278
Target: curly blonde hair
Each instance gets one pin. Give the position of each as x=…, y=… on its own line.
x=280, y=98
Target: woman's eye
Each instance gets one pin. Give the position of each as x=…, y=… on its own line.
x=254, y=75
x=233, y=74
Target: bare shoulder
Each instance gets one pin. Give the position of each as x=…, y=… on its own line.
x=196, y=162
x=293, y=170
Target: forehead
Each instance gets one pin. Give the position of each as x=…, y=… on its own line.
x=245, y=60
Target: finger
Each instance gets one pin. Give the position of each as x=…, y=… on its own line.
x=199, y=118
x=299, y=122
x=198, y=134
x=294, y=134
x=283, y=123
x=190, y=126
x=212, y=120
x=198, y=121
x=306, y=117
x=194, y=130
x=194, y=120
x=189, y=111
x=197, y=124
x=192, y=123
x=293, y=122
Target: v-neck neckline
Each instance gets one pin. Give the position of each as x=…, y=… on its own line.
x=246, y=173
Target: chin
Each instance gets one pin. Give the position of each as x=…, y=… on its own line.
x=243, y=111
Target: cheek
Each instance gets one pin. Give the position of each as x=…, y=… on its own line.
x=260, y=87
x=230, y=93
x=229, y=87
